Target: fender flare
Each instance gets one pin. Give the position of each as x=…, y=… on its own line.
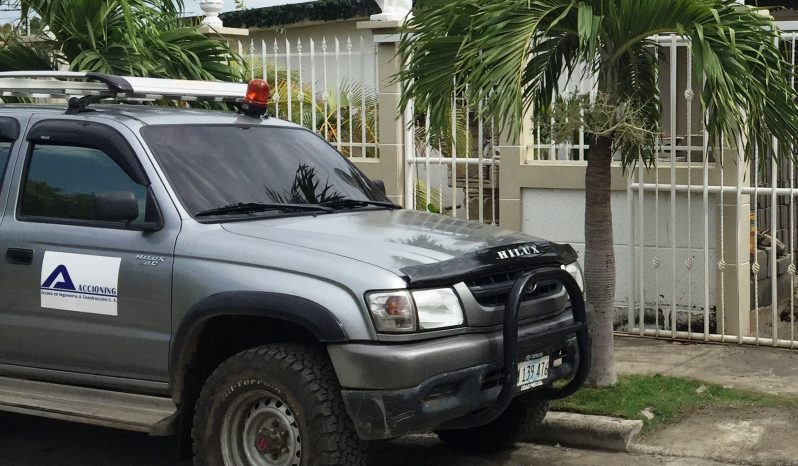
x=317, y=319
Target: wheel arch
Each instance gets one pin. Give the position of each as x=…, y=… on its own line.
x=294, y=311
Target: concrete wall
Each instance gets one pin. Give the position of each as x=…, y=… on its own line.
x=558, y=214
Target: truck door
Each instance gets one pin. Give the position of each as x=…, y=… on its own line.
x=79, y=293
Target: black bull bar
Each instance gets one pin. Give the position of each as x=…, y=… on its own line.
x=510, y=344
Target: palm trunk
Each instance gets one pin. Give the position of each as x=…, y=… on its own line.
x=600, y=261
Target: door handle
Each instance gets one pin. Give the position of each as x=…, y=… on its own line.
x=19, y=256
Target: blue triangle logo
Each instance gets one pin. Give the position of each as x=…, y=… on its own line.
x=64, y=280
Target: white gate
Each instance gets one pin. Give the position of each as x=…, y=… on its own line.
x=702, y=229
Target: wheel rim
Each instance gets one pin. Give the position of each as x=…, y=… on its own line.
x=259, y=429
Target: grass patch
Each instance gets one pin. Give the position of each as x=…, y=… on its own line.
x=670, y=399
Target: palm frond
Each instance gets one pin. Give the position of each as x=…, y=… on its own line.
x=130, y=37
x=513, y=54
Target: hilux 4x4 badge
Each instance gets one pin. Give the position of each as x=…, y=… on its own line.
x=80, y=283
x=518, y=252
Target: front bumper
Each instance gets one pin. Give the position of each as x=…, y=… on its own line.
x=459, y=382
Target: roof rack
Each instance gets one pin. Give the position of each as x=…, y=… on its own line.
x=97, y=86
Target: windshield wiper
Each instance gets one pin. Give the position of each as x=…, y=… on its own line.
x=251, y=207
x=342, y=203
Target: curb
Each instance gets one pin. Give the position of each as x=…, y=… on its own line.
x=580, y=430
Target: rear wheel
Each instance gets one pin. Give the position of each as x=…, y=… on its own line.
x=512, y=426
x=276, y=405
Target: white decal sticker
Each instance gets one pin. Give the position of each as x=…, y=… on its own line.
x=80, y=283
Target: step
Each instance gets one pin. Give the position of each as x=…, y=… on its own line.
x=141, y=413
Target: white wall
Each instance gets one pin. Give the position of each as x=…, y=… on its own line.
x=558, y=215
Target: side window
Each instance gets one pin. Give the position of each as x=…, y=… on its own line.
x=61, y=182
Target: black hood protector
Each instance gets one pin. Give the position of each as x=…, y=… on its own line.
x=505, y=258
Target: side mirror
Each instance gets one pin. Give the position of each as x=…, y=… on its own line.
x=116, y=206
x=380, y=185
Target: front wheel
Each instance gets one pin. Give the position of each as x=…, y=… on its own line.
x=276, y=405
x=512, y=426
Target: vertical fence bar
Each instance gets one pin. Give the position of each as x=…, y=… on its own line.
x=481, y=165
x=313, y=114
x=276, y=94
x=774, y=259
x=252, y=59
x=642, y=239
x=376, y=124
x=350, y=96
x=756, y=267
x=454, y=155
x=705, y=194
x=263, y=74
x=301, y=94
x=656, y=260
x=409, y=127
x=325, y=93
x=494, y=200
x=363, y=88
x=427, y=149
x=288, y=91
x=338, y=94
x=722, y=261
x=791, y=268
x=688, y=263
x=467, y=197
x=630, y=245
x=738, y=237
x=673, y=77
x=263, y=52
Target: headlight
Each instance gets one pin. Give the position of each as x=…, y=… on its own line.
x=392, y=311
x=576, y=271
x=403, y=312
x=438, y=309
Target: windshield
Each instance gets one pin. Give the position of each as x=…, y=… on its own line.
x=216, y=166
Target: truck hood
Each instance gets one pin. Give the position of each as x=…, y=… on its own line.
x=421, y=247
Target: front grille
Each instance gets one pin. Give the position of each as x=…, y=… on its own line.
x=492, y=291
x=492, y=379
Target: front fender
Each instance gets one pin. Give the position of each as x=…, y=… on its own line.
x=317, y=319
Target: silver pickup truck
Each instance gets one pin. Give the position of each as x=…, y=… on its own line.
x=231, y=279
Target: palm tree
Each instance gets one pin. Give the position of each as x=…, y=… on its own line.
x=512, y=53
x=127, y=37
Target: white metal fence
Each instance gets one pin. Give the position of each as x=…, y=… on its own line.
x=711, y=245
x=325, y=84
x=456, y=175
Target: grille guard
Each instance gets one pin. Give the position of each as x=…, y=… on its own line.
x=510, y=344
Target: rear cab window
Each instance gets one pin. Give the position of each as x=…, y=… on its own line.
x=9, y=132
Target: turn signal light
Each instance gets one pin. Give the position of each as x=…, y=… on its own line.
x=257, y=98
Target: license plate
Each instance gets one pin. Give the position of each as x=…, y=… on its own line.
x=533, y=371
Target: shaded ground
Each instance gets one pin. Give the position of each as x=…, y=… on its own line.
x=28, y=441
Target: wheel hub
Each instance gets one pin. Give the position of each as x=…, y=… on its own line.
x=261, y=431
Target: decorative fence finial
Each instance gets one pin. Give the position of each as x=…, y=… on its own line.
x=212, y=8
x=393, y=10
